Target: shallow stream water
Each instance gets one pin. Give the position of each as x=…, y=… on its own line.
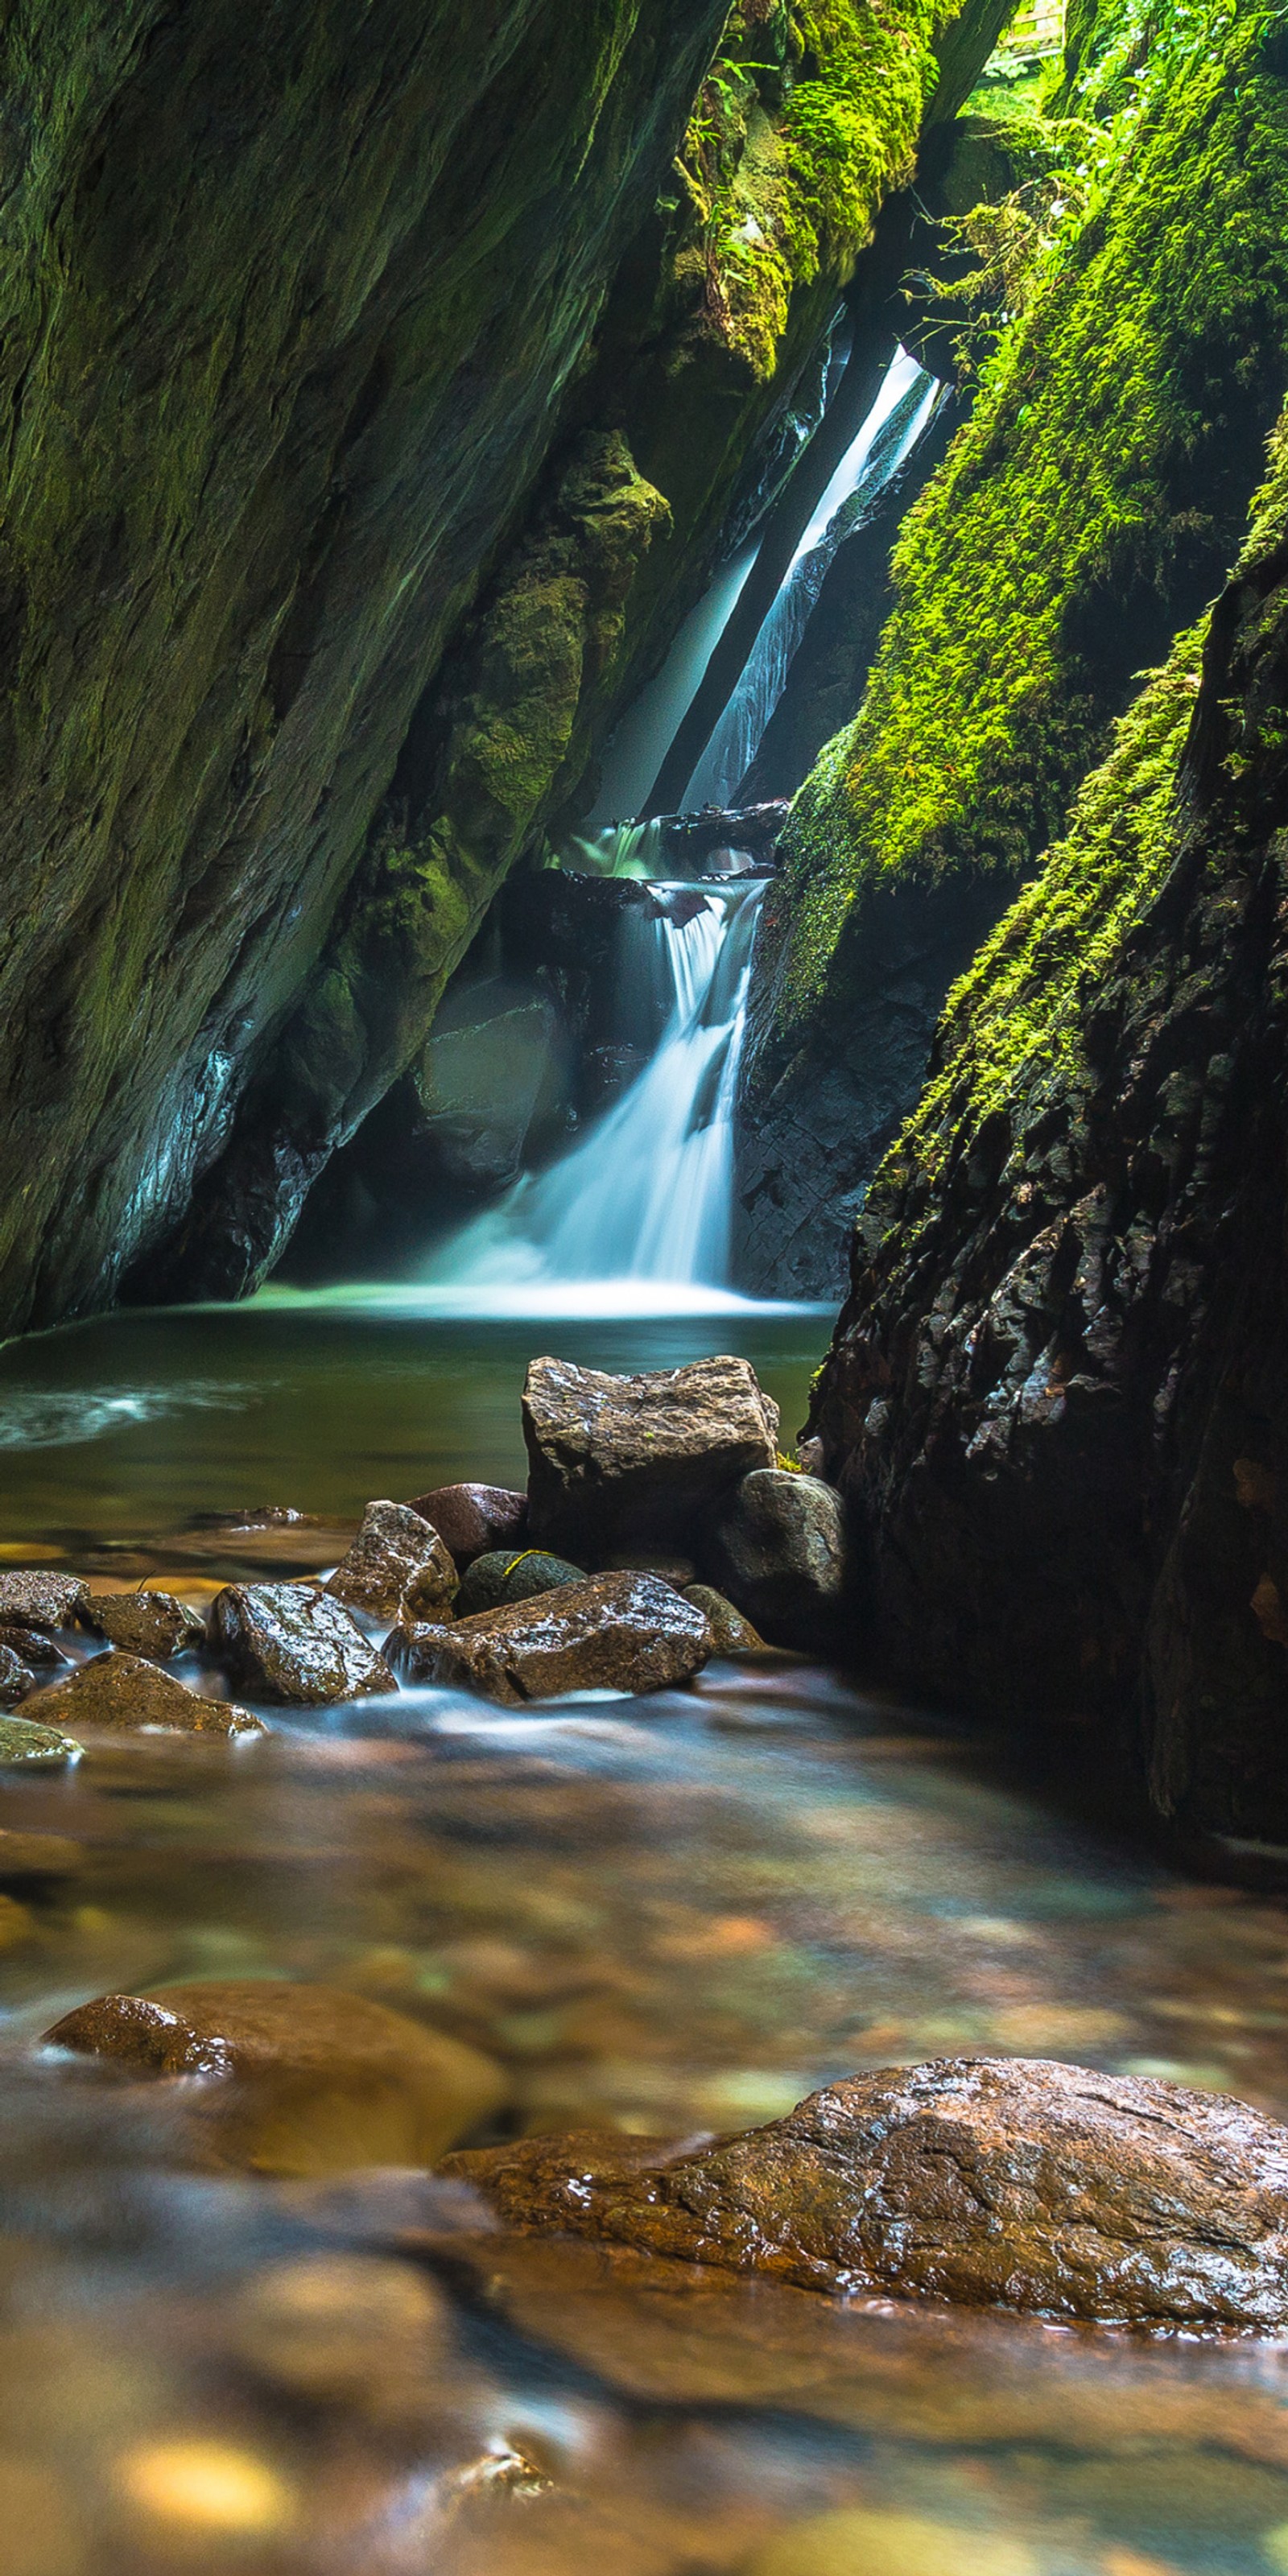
x=674, y=1915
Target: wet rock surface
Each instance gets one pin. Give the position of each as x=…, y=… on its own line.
x=16, y=1678
x=314, y=2079
x=779, y=1552
x=291, y=1643
x=472, y=1519
x=32, y=1645
x=39, y=1600
x=624, y=1632
x=143, y=1623
x=997, y=2182
x=394, y=1548
x=121, y=1690
x=731, y=1634
x=499, y=1578
x=614, y=1459
x=22, y=1740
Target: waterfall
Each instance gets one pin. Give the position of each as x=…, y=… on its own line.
x=639, y=1211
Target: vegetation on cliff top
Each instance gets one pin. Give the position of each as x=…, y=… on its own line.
x=1102, y=478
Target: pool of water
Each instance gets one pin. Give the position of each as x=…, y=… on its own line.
x=669, y=1916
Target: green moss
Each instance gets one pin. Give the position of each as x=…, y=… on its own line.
x=1108, y=459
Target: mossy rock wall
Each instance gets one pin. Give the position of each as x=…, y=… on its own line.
x=1091, y=506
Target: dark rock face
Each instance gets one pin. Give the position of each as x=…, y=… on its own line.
x=41, y=1601
x=32, y=1645
x=16, y=1678
x=143, y=1623
x=779, y=1550
x=120, y=1690
x=731, y=1634
x=620, y=1458
x=472, y=1519
x=996, y=2182
x=626, y=1632
x=287, y=1642
x=308, y=2079
x=393, y=1549
x=499, y=1578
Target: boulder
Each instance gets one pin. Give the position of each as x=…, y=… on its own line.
x=394, y=1548
x=1004, y=2183
x=620, y=1460
x=500, y=1577
x=626, y=1632
x=16, y=1678
x=731, y=1634
x=143, y=1623
x=303, y=2079
x=22, y=1741
x=779, y=1552
x=32, y=1645
x=472, y=1519
x=678, y=1571
x=121, y=1690
x=296, y=1644
x=39, y=1599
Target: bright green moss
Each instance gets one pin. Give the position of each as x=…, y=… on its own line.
x=1104, y=457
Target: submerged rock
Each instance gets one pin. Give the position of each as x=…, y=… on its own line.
x=779, y=1552
x=731, y=1634
x=144, y=1623
x=615, y=1459
x=499, y=1577
x=997, y=2182
x=394, y=1548
x=22, y=1741
x=472, y=1519
x=627, y=1632
x=312, y=2079
x=16, y=1678
x=129, y=1691
x=295, y=1644
x=38, y=1599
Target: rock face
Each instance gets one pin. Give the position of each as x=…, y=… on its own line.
x=288, y=1642
x=41, y=1601
x=499, y=1577
x=394, y=1548
x=16, y=1678
x=997, y=2182
x=120, y=1690
x=143, y=1623
x=473, y=1519
x=780, y=1552
x=306, y=2079
x=626, y=1632
x=632, y=1458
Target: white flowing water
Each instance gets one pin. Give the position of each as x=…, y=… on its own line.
x=637, y=1215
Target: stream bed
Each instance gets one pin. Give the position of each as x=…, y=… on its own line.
x=671, y=1916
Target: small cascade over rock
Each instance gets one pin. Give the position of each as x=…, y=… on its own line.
x=643, y=1201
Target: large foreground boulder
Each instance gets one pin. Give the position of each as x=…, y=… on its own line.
x=304, y=2079
x=128, y=1691
x=779, y=1553
x=292, y=1643
x=626, y=1632
x=615, y=1460
x=998, y=2182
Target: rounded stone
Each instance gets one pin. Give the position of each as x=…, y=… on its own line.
x=778, y=1552
x=731, y=1633
x=502, y=1576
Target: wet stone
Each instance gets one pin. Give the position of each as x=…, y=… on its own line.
x=473, y=1520
x=154, y=1624
x=119, y=1690
x=39, y=1599
x=626, y=1632
x=620, y=1459
x=305, y=2079
x=32, y=1646
x=22, y=1741
x=502, y=1577
x=16, y=1678
x=779, y=1554
x=731, y=1633
x=996, y=2182
x=394, y=1550
x=294, y=1644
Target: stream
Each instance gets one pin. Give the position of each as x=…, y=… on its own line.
x=672, y=1915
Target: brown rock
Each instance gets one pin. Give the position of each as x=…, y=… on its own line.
x=144, y=1623
x=616, y=1460
x=23, y=1742
x=625, y=1632
x=678, y=1571
x=394, y=1548
x=779, y=1553
x=306, y=2079
x=731, y=1634
x=498, y=1578
x=16, y=1678
x=127, y=1691
x=32, y=1645
x=39, y=1599
x=998, y=2182
x=471, y=1520
x=291, y=1643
